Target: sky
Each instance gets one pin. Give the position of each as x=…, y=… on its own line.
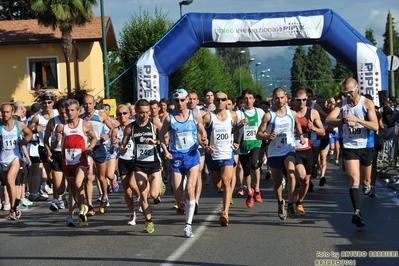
x=360, y=14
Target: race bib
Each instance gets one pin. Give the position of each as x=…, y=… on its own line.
x=184, y=140
x=72, y=156
x=9, y=144
x=357, y=133
x=298, y=145
x=250, y=132
x=222, y=136
x=283, y=139
x=145, y=153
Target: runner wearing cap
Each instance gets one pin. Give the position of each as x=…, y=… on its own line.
x=182, y=153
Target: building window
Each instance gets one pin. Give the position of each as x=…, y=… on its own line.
x=43, y=73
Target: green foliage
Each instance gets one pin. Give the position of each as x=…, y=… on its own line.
x=298, y=69
x=233, y=57
x=14, y=10
x=370, y=36
x=395, y=39
x=341, y=72
x=203, y=70
x=64, y=15
x=319, y=68
x=140, y=33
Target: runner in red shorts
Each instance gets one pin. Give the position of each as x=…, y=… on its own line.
x=74, y=137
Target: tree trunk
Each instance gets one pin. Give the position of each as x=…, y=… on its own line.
x=67, y=51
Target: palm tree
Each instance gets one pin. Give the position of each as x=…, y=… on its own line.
x=64, y=15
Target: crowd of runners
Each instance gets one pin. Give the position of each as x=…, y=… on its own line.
x=59, y=148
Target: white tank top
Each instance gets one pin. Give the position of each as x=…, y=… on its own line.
x=284, y=142
x=10, y=149
x=57, y=121
x=220, y=137
x=359, y=136
x=43, y=122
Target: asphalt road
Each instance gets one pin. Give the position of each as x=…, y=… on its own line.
x=254, y=237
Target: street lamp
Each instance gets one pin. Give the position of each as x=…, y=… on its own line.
x=239, y=68
x=184, y=3
x=256, y=71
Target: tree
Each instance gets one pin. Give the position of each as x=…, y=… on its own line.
x=13, y=10
x=64, y=15
x=298, y=70
x=203, y=70
x=319, y=68
x=395, y=43
x=233, y=57
x=370, y=36
x=140, y=33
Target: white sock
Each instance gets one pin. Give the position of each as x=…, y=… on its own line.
x=190, y=207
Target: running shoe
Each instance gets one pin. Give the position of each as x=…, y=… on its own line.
x=149, y=227
x=85, y=210
x=66, y=203
x=372, y=192
x=250, y=200
x=357, y=220
x=47, y=190
x=224, y=219
x=12, y=215
x=6, y=206
x=157, y=200
x=314, y=172
x=61, y=204
x=231, y=201
x=188, y=231
x=103, y=206
x=163, y=188
x=70, y=221
x=176, y=205
x=310, y=189
x=18, y=212
x=115, y=185
x=366, y=190
x=132, y=220
x=299, y=210
x=181, y=209
x=91, y=211
x=268, y=174
x=257, y=196
x=37, y=197
x=83, y=220
x=24, y=207
x=291, y=211
x=54, y=205
x=241, y=191
x=282, y=214
x=26, y=202
x=322, y=181
x=336, y=162
x=99, y=198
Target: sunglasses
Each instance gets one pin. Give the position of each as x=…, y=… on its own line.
x=179, y=100
x=301, y=99
x=218, y=100
x=348, y=92
x=123, y=113
x=47, y=102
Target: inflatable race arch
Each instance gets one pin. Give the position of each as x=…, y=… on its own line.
x=195, y=30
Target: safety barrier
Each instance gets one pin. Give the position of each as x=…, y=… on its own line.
x=389, y=154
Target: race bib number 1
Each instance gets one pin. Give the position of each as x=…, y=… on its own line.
x=184, y=140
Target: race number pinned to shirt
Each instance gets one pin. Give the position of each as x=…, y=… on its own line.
x=9, y=144
x=222, y=136
x=145, y=153
x=250, y=132
x=184, y=140
x=72, y=156
x=283, y=139
x=298, y=144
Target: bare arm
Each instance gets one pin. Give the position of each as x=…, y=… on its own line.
x=317, y=125
x=201, y=128
x=35, y=123
x=206, y=120
x=88, y=127
x=161, y=135
x=27, y=133
x=371, y=123
x=332, y=118
x=298, y=128
x=261, y=134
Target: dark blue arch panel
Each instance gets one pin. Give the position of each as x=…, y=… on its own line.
x=195, y=30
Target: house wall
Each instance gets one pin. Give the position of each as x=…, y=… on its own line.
x=15, y=77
